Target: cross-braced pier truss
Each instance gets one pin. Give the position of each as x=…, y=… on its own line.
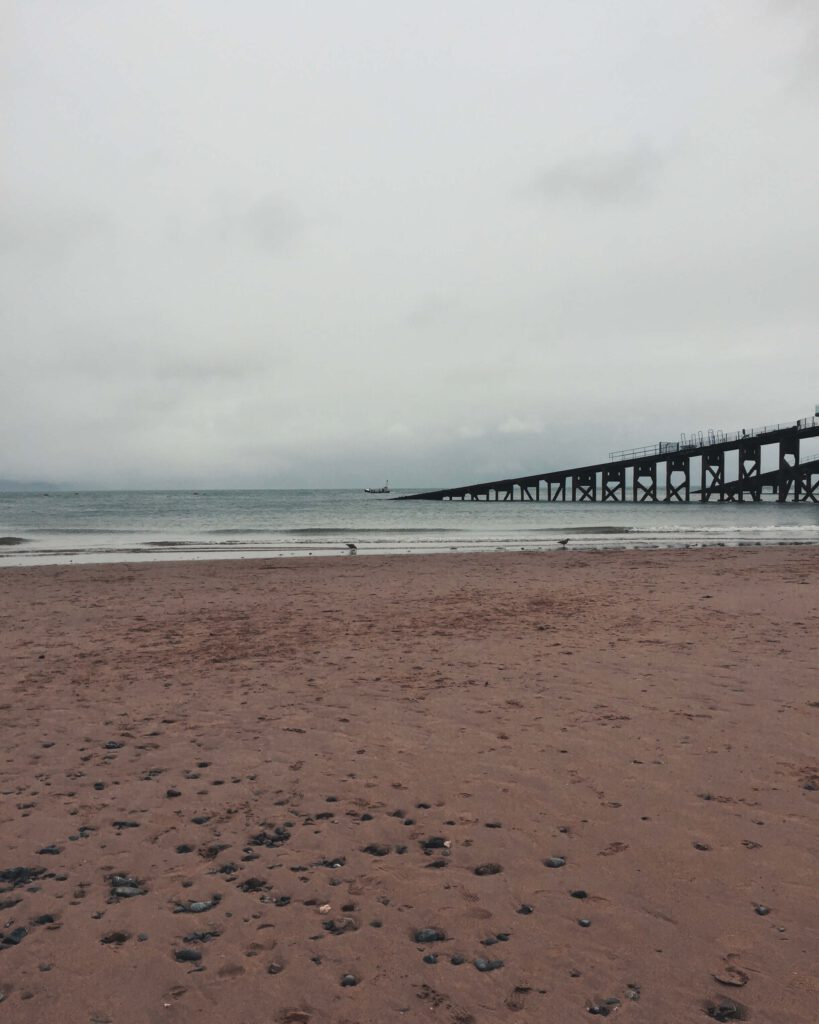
x=693, y=468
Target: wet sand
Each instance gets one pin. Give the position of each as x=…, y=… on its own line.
x=282, y=771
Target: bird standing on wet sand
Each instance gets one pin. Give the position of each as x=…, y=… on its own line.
x=563, y=542
x=352, y=547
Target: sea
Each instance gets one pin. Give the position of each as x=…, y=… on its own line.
x=117, y=526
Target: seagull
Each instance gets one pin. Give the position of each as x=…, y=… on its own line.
x=352, y=547
x=563, y=542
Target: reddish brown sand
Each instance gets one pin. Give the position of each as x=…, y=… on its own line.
x=650, y=717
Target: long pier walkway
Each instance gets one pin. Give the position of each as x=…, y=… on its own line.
x=691, y=468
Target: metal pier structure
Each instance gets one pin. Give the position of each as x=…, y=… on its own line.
x=693, y=468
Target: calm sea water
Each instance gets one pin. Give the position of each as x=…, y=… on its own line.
x=104, y=526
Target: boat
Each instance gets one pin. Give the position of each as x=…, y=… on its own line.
x=378, y=490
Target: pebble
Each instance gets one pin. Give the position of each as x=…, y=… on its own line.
x=275, y=968
x=555, y=862
x=429, y=935
x=488, y=869
x=348, y=980
x=51, y=850
x=584, y=922
x=487, y=965
x=377, y=850
x=172, y=793
x=14, y=938
x=187, y=956
x=762, y=910
x=579, y=894
x=525, y=908
x=433, y=843
x=431, y=958
x=196, y=906
x=457, y=960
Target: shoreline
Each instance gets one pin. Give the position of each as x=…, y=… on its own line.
x=191, y=551
x=243, y=734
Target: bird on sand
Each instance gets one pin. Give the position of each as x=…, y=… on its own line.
x=352, y=547
x=563, y=542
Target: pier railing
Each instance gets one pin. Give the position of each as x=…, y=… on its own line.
x=703, y=439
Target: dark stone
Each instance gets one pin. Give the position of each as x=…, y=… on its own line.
x=14, y=877
x=333, y=862
x=99, y=785
x=431, y=958
x=366, y=817
x=184, y=848
x=253, y=885
x=440, y=862
x=201, y=819
x=762, y=910
x=555, y=862
x=44, y=919
x=701, y=846
x=725, y=1010
x=187, y=956
x=281, y=901
x=51, y=850
x=123, y=887
x=429, y=935
x=272, y=839
x=493, y=824
x=125, y=824
x=115, y=938
x=433, y=843
x=584, y=922
x=526, y=908
x=488, y=869
x=14, y=938
x=113, y=745
x=201, y=936
x=457, y=960
x=172, y=792
x=377, y=850
x=487, y=965
x=490, y=941
x=275, y=968
x=348, y=980
x=197, y=906
x=579, y=894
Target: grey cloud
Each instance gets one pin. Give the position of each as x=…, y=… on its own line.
x=279, y=248
x=47, y=230
x=428, y=311
x=601, y=179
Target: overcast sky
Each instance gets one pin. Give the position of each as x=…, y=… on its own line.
x=267, y=243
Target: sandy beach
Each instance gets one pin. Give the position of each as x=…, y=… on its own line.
x=460, y=788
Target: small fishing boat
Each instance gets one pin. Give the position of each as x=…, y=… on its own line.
x=378, y=490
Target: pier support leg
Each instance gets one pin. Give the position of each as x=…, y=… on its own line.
x=788, y=475
x=676, y=489
x=808, y=485
x=749, y=470
x=584, y=487
x=644, y=484
x=713, y=476
x=614, y=484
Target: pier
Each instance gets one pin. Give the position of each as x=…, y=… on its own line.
x=691, y=469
